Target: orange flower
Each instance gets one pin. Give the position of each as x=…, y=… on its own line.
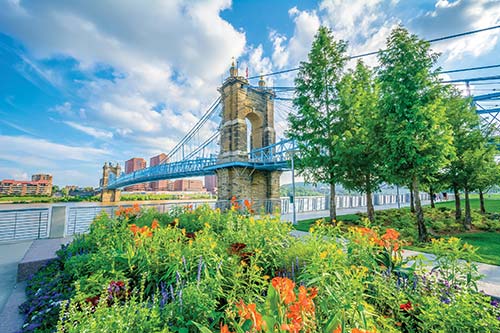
x=249, y=312
x=357, y=330
x=338, y=329
x=224, y=329
x=134, y=229
x=284, y=287
x=390, y=234
x=155, y=224
x=136, y=208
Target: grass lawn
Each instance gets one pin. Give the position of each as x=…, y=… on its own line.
x=488, y=244
x=305, y=224
x=492, y=204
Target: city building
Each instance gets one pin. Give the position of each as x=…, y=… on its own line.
x=135, y=164
x=160, y=185
x=188, y=185
x=41, y=176
x=40, y=184
x=211, y=183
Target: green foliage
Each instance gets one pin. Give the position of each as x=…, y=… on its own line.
x=416, y=139
x=143, y=271
x=315, y=126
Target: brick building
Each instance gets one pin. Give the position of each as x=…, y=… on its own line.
x=40, y=184
x=211, y=183
x=188, y=185
x=160, y=185
x=135, y=164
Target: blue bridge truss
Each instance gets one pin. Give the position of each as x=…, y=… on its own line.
x=273, y=157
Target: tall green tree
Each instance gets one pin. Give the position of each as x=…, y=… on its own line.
x=358, y=152
x=487, y=177
x=315, y=126
x=467, y=144
x=416, y=138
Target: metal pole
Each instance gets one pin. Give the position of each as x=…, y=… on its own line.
x=397, y=193
x=294, y=220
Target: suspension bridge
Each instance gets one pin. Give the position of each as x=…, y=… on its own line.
x=242, y=136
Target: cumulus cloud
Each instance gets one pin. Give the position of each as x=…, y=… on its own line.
x=451, y=17
x=175, y=58
x=289, y=52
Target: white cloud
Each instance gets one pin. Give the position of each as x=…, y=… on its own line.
x=39, y=152
x=290, y=52
x=449, y=18
x=96, y=133
x=175, y=58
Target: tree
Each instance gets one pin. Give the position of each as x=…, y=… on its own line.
x=315, y=126
x=488, y=176
x=467, y=142
x=416, y=138
x=357, y=153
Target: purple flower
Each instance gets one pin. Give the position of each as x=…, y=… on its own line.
x=445, y=300
x=494, y=303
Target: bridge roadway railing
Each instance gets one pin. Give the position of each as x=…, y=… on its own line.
x=34, y=223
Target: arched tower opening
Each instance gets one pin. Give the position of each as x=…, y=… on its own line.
x=247, y=124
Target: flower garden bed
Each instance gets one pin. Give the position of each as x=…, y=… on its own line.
x=209, y=271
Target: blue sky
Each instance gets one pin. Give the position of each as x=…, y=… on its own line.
x=84, y=82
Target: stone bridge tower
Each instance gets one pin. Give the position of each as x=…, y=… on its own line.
x=241, y=102
x=110, y=171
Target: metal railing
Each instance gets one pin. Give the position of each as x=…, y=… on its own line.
x=79, y=218
x=34, y=223
x=24, y=224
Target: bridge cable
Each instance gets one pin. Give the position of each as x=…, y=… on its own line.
x=379, y=51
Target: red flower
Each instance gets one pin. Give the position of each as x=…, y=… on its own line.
x=406, y=306
x=155, y=224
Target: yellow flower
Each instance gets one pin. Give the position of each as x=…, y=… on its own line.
x=323, y=254
x=311, y=229
x=207, y=225
x=266, y=277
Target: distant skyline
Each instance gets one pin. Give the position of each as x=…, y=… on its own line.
x=84, y=82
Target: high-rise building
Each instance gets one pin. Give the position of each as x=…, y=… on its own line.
x=188, y=185
x=40, y=184
x=211, y=183
x=41, y=176
x=135, y=164
x=160, y=185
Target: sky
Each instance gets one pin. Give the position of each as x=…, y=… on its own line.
x=84, y=82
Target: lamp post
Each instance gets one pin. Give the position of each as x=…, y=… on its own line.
x=294, y=216
x=397, y=193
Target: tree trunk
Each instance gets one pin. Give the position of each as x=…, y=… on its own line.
x=481, y=201
x=468, y=217
x=431, y=194
x=412, y=201
x=422, y=230
x=333, y=204
x=458, y=209
x=369, y=205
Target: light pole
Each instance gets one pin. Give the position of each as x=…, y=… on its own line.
x=397, y=193
x=294, y=218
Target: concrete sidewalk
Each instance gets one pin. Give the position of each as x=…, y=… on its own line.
x=17, y=262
